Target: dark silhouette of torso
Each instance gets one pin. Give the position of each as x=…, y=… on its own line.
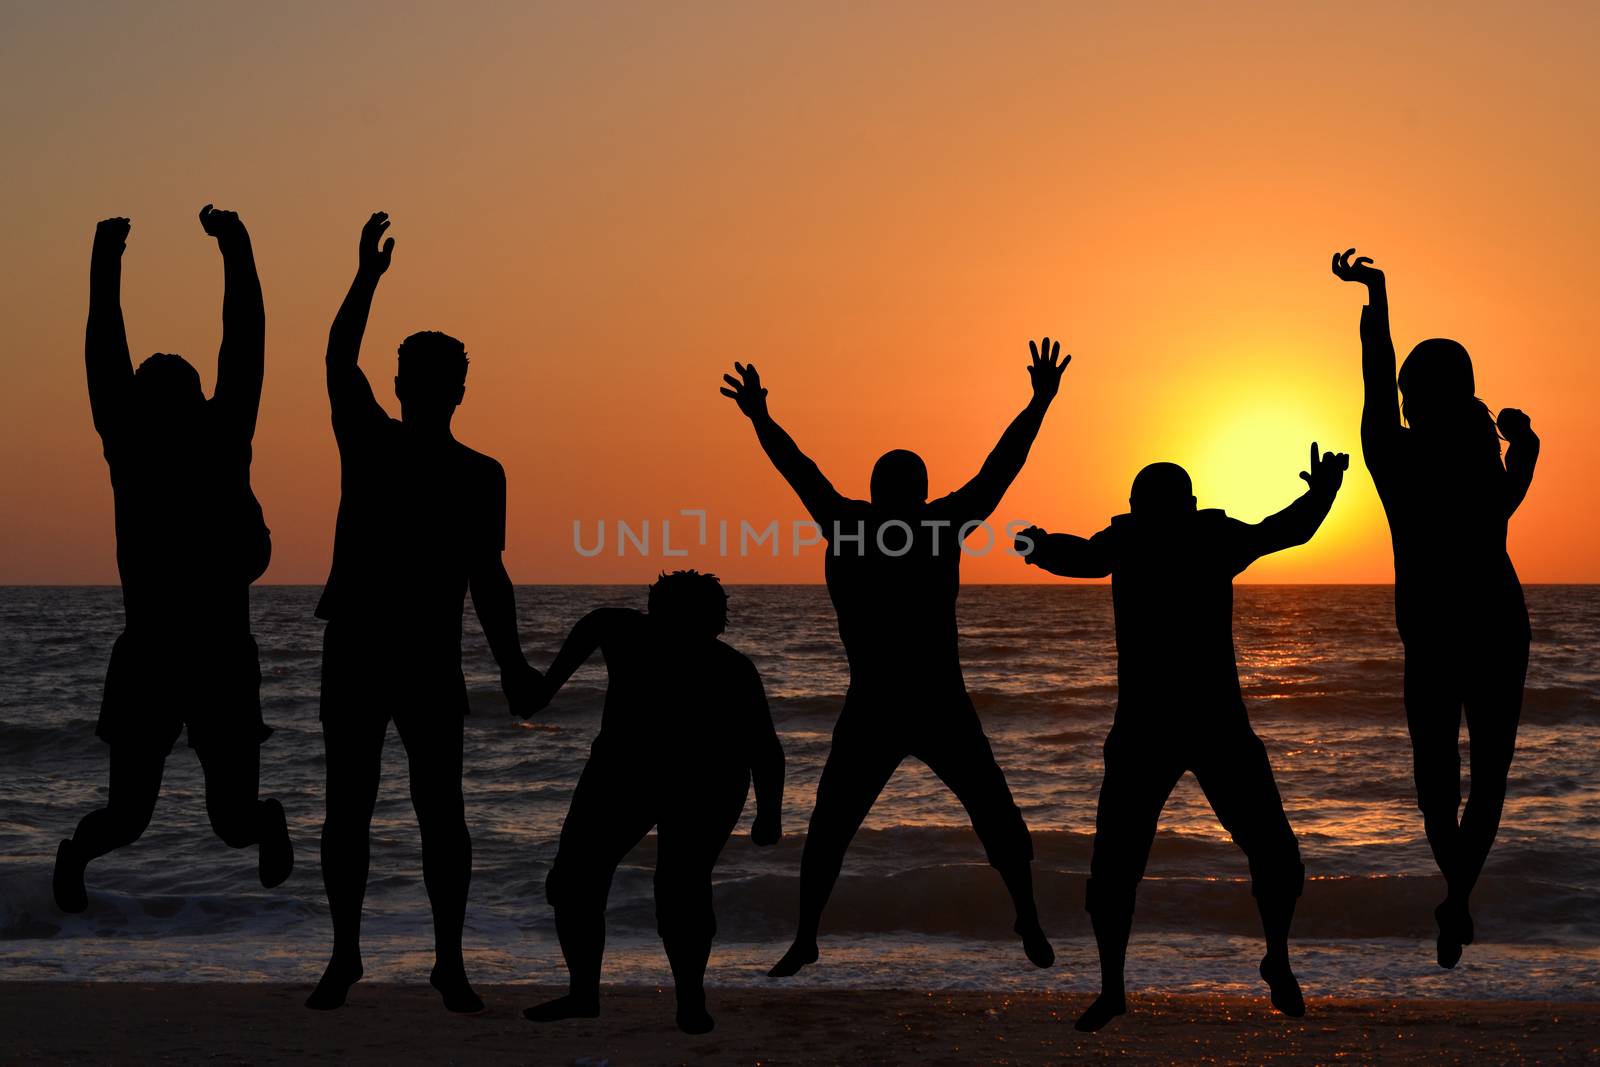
x=1448, y=521
x=414, y=514
x=190, y=533
x=897, y=610
x=1172, y=588
x=679, y=708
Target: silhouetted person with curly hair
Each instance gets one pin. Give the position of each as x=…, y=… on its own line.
x=1179, y=707
x=894, y=572
x=421, y=521
x=190, y=540
x=684, y=732
x=1449, y=497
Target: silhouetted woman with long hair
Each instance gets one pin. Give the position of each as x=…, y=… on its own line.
x=1435, y=458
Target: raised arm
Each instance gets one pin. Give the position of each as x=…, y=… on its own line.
x=349, y=392
x=767, y=766
x=1522, y=453
x=1065, y=554
x=1295, y=524
x=816, y=493
x=980, y=496
x=105, y=340
x=1380, y=408
x=240, y=360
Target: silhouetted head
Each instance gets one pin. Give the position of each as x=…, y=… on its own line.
x=1162, y=491
x=1437, y=397
x=899, y=479
x=432, y=378
x=167, y=391
x=689, y=603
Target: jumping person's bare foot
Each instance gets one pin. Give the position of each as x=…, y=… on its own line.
x=455, y=990
x=570, y=1006
x=275, y=853
x=335, y=985
x=692, y=1015
x=1285, y=987
x=71, y=895
x=1035, y=944
x=1455, y=931
x=1106, y=1006
x=800, y=953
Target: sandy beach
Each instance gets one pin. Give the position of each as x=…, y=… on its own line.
x=180, y=1023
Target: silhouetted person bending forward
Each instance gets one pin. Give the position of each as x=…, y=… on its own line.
x=1449, y=498
x=190, y=540
x=421, y=519
x=894, y=572
x=684, y=731
x=1179, y=707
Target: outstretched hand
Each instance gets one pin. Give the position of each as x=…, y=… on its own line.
x=374, y=260
x=748, y=392
x=1046, y=369
x=111, y=235
x=1326, y=474
x=1361, y=270
x=223, y=225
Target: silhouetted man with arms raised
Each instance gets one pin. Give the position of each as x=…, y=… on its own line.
x=893, y=572
x=1179, y=707
x=421, y=520
x=684, y=731
x=190, y=540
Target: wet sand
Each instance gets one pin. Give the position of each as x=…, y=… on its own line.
x=172, y=1022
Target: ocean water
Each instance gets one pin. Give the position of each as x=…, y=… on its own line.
x=916, y=906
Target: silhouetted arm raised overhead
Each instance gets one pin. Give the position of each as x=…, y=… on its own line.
x=1295, y=524
x=241, y=359
x=1380, y=408
x=979, y=497
x=105, y=339
x=767, y=766
x=816, y=493
x=1522, y=453
x=349, y=392
x=495, y=601
x=1065, y=554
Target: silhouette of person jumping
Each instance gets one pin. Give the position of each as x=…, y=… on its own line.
x=893, y=572
x=684, y=731
x=1458, y=603
x=421, y=520
x=1179, y=707
x=190, y=540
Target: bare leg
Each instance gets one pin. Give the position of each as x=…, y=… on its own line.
x=1112, y=927
x=608, y=816
x=1138, y=779
x=1237, y=779
x=354, y=751
x=856, y=772
x=238, y=816
x=435, y=764
x=689, y=840
x=135, y=786
x=964, y=761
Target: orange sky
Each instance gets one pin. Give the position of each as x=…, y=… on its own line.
x=878, y=204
